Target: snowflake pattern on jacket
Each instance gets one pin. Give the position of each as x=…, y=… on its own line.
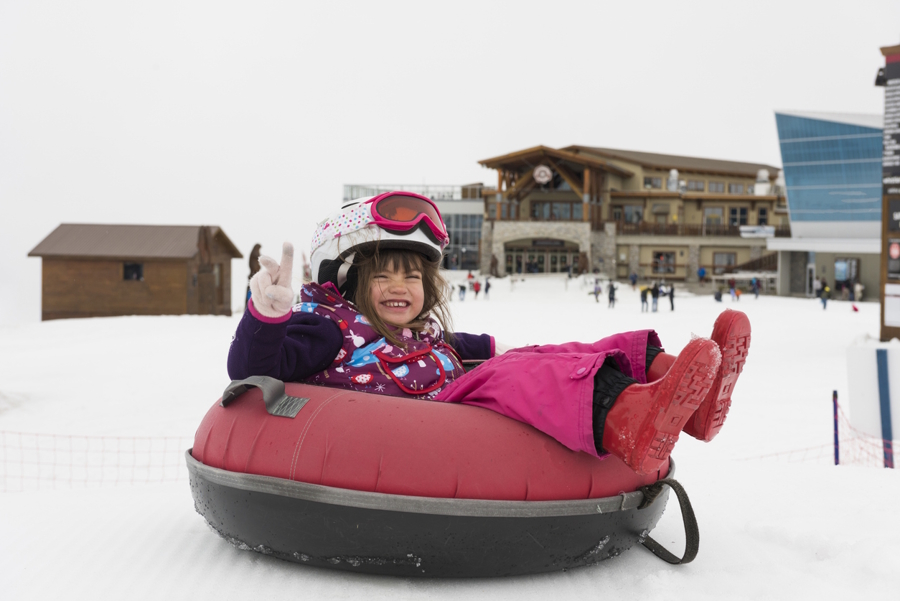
x=368, y=363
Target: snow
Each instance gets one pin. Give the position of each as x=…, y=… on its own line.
x=769, y=527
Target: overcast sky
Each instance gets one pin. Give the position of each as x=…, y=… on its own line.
x=252, y=115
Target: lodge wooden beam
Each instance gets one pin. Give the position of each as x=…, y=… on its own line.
x=604, y=206
x=586, y=197
x=521, y=183
x=569, y=177
x=528, y=187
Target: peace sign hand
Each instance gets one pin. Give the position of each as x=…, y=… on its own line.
x=270, y=288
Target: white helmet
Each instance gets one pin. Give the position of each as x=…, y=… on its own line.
x=401, y=220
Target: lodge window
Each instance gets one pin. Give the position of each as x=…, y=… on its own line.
x=717, y=187
x=661, y=213
x=653, y=182
x=738, y=216
x=133, y=272
x=557, y=211
x=722, y=261
x=465, y=238
x=712, y=215
x=763, y=216
x=735, y=188
x=846, y=272
x=663, y=262
x=696, y=185
x=628, y=213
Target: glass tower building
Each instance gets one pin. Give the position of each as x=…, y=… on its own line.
x=832, y=172
x=832, y=175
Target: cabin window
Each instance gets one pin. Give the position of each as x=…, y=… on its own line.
x=735, y=188
x=717, y=187
x=133, y=272
x=763, y=217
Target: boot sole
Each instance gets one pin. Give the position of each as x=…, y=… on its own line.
x=735, y=345
x=692, y=385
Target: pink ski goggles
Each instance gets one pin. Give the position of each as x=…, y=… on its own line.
x=403, y=211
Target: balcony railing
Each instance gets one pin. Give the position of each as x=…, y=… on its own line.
x=645, y=228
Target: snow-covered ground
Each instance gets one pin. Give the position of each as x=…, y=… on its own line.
x=769, y=528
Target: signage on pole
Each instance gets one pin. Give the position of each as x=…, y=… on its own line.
x=889, y=78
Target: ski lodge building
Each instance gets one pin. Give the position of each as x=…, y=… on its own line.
x=613, y=211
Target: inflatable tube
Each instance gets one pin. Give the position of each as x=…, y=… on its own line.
x=388, y=485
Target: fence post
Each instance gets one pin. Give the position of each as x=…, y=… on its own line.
x=837, y=440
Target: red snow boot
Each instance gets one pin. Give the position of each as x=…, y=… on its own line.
x=732, y=333
x=643, y=423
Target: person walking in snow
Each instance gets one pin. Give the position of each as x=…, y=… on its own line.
x=654, y=294
x=644, y=306
x=611, y=291
x=375, y=318
x=598, y=288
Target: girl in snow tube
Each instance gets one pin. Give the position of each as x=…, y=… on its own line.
x=363, y=476
x=374, y=319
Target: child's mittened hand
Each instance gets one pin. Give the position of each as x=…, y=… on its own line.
x=270, y=288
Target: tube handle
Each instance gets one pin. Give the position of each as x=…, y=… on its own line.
x=278, y=403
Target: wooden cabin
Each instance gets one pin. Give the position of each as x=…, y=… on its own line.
x=93, y=270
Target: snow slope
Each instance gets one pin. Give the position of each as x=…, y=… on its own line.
x=769, y=528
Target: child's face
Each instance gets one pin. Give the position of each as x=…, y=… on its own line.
x=397, y=295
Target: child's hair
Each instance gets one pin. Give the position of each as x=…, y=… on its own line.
x=436, y=288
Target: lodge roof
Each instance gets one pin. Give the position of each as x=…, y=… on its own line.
x=666, y=162
x=91, y=240
x=534, y=156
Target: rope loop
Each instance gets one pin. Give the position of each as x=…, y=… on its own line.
x=691, y=529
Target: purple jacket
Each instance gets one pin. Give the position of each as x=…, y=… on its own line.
x=326, y=341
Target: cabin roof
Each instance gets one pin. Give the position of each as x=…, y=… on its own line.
x=91, y=240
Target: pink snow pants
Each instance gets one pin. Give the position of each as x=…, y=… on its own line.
x=551, y=387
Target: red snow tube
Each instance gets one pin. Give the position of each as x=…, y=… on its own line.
x=297, y=471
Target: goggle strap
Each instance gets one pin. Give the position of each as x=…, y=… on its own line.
x=344, y=269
